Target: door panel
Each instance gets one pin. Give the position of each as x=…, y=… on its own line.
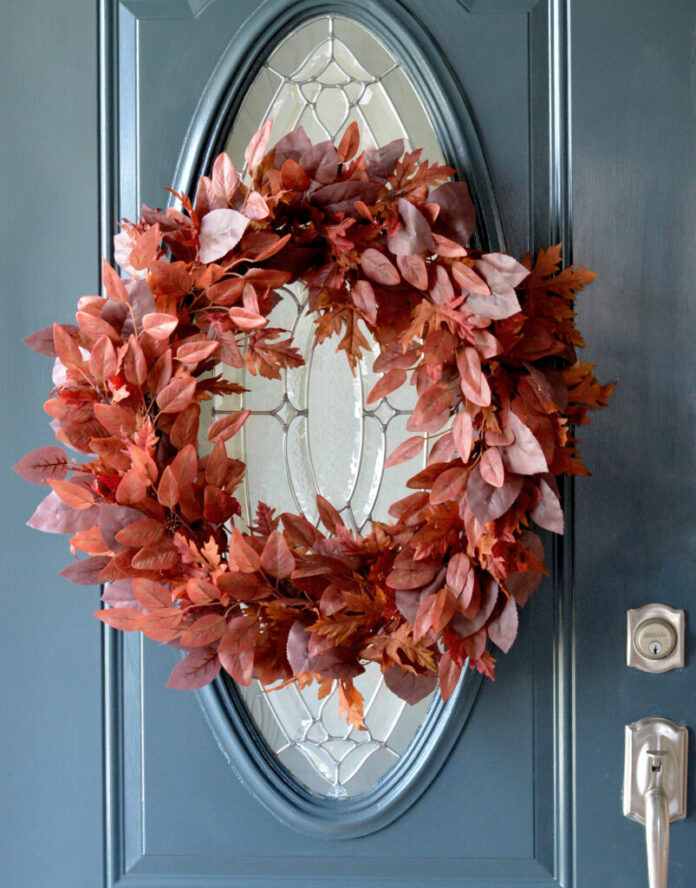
x=198, y=822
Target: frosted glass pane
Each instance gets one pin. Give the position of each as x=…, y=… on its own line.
x=312, y=432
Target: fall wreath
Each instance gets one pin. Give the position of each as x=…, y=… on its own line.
x=379, y=238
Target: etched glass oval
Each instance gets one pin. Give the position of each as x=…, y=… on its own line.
x=312, y=432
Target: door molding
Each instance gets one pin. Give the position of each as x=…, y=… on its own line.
x=127, y=861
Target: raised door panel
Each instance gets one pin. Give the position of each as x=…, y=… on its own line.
x=496, y=814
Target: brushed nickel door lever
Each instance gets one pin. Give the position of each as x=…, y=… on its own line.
x=655, y=771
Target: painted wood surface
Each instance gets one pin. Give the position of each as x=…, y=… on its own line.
x=531, y=793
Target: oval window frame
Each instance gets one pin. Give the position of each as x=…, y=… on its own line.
x=237, y=736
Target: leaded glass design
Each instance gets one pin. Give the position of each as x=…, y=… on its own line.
x=312, y=432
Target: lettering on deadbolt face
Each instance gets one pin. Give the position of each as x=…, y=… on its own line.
x=655, y=638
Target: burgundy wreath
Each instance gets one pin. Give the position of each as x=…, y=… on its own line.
x=380, y=240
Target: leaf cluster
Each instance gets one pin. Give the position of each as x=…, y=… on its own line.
x=381, y=241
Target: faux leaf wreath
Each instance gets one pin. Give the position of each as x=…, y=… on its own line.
x=380, y=240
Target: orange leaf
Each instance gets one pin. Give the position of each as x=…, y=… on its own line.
x=276, y=558
x=204, y=630
x=349, y=144
x=406, y=450
x=392, y=380
x=176, y=395
x=159, y=325
x=67, y=349
x=146, y=246
x=113, y=285
x=228, y=425
x=161, y=556
x=168, y=492
x=116, y=420
x=74, y=495
x=162, y=625
x=127, y=619
x=246, y=320
x=193, y=353
x=153, y=596
x=144, y=532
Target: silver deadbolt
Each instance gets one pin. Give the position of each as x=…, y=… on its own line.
x=655, y=638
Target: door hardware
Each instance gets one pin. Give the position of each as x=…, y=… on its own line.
x=655, y=638
x=654, y=794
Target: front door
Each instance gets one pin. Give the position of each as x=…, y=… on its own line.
x=579, y=124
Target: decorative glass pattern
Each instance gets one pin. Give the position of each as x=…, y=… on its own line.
x=313, y=433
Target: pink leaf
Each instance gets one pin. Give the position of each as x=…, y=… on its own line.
x=256, y=207
x=364, y=299
x=548, y=513
x=525, y=456
x=120, y=594
x=413, y=270
x=256, y=149
x=246, y=320
x=414, y=236
x=228, y=425
x=43, y=464
x=406, y=450
x=463, y=432
x=54, y=516
x=492, y=469
x=378, y=268
x=197, y=669
x=159, y=325
x=176, y=395
x=297, y=650
x=474, y=384
x=225, y=179
x=220, y=231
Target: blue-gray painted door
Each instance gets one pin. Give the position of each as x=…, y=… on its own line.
x=531, y=793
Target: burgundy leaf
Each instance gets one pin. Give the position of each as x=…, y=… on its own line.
x=463, y=626
x=410, y=687
x=197, y=669
x=488, y=502
x=380, y=162
x=42, y=340
x=457, y=216
x=86, y=572
x=43, y=464
x=503, y=629
x=291, y=146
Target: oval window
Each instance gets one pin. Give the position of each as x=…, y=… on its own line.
x=311, y=433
